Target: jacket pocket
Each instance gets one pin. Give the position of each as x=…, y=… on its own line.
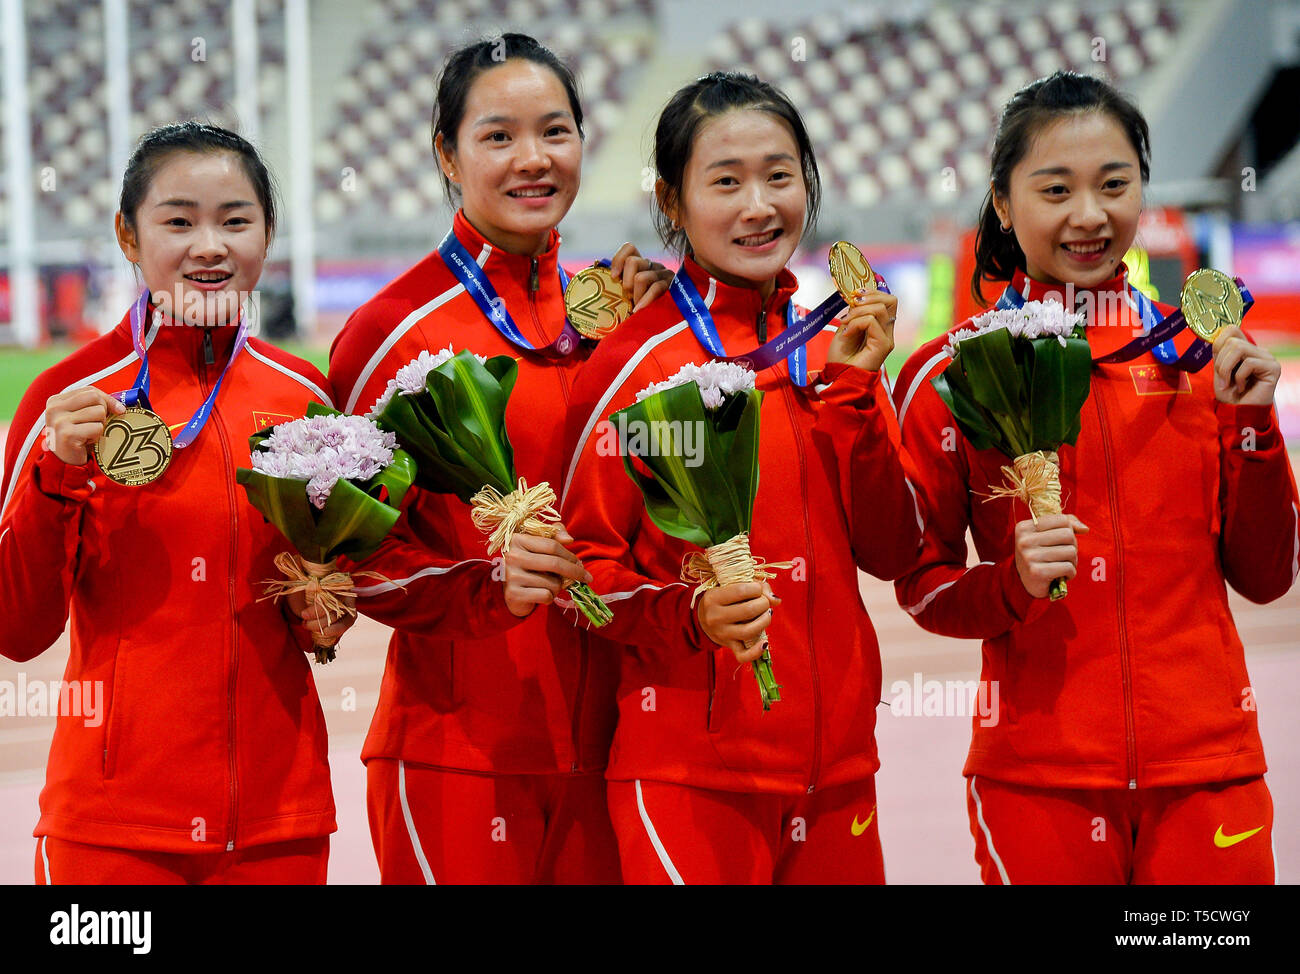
x=713, y=689
x=113, y=717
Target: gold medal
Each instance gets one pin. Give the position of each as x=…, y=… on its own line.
x=1211, y=302
x=596, y=302
x=850, y=270
x=135, y=449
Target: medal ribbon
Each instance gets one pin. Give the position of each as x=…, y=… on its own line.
x=1158, y=332
x=478, y=287
x=138, y=394
x=790, y=344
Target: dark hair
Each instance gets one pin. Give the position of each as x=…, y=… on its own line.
x=997, y=254
x=465, y=64
x=155, y=147
x=708, y=97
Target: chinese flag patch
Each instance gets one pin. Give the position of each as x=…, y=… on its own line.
x=1154, y=379
x=261, y=420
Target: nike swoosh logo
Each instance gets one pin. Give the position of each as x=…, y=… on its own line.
x=857, y=829
x=1224, y=841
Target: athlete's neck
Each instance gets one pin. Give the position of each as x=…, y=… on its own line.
x=520, y=244
x=764, y=288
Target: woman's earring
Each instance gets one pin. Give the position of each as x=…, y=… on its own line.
x=1004, y=228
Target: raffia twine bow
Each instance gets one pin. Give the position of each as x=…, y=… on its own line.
x=323, y=585
x=1035, y=478
x=727, y=563
x=525, y=510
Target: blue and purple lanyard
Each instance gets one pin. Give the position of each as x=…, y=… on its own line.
x=1157, y=333
x=478, y=287
x=790, y=344
x=138, y=394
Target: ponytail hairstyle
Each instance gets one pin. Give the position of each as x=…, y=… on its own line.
x=997, y=252
x=465, y=64
x=157, y=146
x=704, y=99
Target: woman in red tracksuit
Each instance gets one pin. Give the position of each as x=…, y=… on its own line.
x=1126, y=748
x=704, y=786
x=485, y=756
x=190, y=746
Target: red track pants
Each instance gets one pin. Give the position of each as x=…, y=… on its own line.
x=431, y=825
x=62, y=862
x=1198, y=834
x=669, y=833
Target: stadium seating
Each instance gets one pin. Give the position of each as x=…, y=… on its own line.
x=894, y=105
x=374, y=154
x=899, y=107
x=181, y=66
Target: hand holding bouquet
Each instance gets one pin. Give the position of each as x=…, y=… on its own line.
x=1017, y=381
x=704, y=496
x=449, y=411
x=333, y=485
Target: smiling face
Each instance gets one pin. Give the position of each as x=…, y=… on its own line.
x=518, y=155
x=743, y=200
x=199, y=237
x=1074, y=200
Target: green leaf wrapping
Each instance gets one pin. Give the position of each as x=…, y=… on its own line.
x=456, y=427
x=712, y=501
x=1060, y=379
x=1017, y=395
x=471, y=405
x=354, y=520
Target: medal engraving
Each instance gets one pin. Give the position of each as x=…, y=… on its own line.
x=850, y=270
x=1211, y=302
x=135, y=448
x=595, y=302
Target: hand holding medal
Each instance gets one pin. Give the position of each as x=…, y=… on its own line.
x=75, y=422
x=866, y=335
x=1244, y=373
x=595, y=301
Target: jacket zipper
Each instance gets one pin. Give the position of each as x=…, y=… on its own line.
x=811, y=583
x=583, y=650
x=761, y=327
x=215, y=419
x=1113, y=490
x=534, y=285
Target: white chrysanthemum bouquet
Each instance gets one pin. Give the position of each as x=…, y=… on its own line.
x=333, y=485
x=449, y=412
x=703, y=496
x=1017, y=382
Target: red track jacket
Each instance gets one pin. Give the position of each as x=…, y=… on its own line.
x=1137, y=677
x=468, y=685
x=212, y=737
x=687, y=713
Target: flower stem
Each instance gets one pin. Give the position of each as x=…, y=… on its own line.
x=1057, y=590
x=590, y=604
x=768, y=688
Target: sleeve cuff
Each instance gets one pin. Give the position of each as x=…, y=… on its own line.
x=1018, y=600
x=54, y=478
x=861, y=382
x=1261, y=419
